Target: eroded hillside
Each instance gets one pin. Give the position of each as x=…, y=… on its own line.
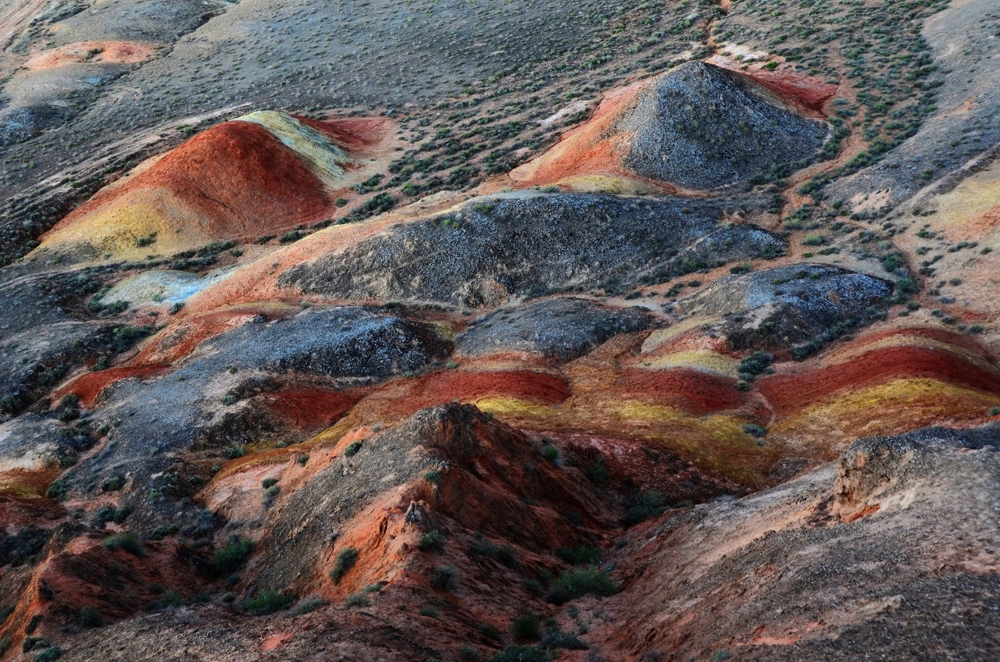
x=520, y=331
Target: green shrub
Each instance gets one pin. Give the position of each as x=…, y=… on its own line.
x=357, y=600
x=526, y=627
x=550, y=452
x=598, y=473
x=105, y=514
x=532, y=586
x=10, y=403
x=128, y=541
x=268, y=482
x=309, y=605
x=582, y=554
x=573, y=517
x=57, y=490
x=270, y=494
x=345, y=561
x=429, y=611
x=90, y=617
x=645, y=504
x=504, y=554
x=813, y=240
x=229, y=559
x=49, y=654
x=490, y=631
x=126, y=336
x=352, y=449
x=577, y=582
x=443, y=578
x=558, y=639
x=469, y=653
x=906, y=285
x=522, y=654
x=755, y=364
x=162, y=531
x=431, y=541
x=268, y=602
x=169, y=599
x=113, y=484
x=235, y=451
x=5, y=614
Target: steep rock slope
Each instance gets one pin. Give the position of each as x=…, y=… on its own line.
x=833, y=565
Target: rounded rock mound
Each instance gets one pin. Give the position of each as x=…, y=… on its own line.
x=704, y=127
x=796, y=307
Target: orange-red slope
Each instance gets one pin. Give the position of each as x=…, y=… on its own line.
x=789, y=393
x=89, y=385
x=237, y=176
x=354, y=134
x=310, y=408
x=697, y=393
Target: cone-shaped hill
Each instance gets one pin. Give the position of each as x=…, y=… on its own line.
x=702, y=127
x=263, y=173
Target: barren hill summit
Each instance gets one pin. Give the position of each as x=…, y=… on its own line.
x=703, y=127
x=525, y=331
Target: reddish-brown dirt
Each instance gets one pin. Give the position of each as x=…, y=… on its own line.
x=88, y=386
x=104, y=52
x=117, y=583
x=788, y=393
x=311, y=408
x=84, y=575
x=27, y=482
x=401, y=398
x=240, y=179
x=354, y=134
x=538, y=387
x=18, y=511
x=696, y=392
x=588, y=149
x=960, y=341
x=800, y=90
x=633, y=465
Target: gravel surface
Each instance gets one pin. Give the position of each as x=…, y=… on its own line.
x=704, y=127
